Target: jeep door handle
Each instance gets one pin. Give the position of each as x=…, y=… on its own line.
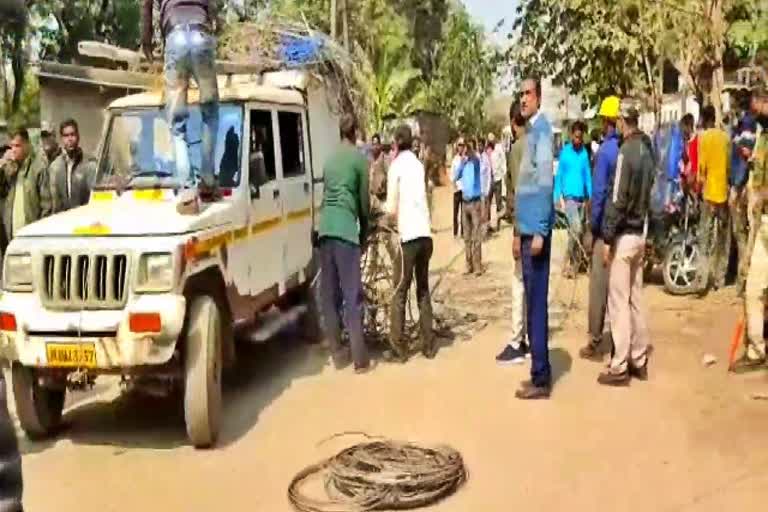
x=306, y=188
x=275, y=194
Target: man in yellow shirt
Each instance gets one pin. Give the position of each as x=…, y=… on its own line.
x=714, y=226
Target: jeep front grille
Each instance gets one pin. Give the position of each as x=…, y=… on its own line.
x=84, y=281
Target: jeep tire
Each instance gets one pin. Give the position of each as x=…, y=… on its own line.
x=39, y=409
x=203, y=372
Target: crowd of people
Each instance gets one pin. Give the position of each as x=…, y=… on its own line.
x=38, y=182
x=602, y=190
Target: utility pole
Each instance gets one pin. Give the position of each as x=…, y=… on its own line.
x=334, y=23
x=345, y=23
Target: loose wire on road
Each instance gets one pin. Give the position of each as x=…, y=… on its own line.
x=381, y=475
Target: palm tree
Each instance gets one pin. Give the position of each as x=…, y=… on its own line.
x=392, y=87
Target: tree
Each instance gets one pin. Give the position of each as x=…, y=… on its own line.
x=578, y=44
x=748, y=36
x=595, y=48
x=62, y=24
x=12, y=35
x=463, y=79
x=391, y=88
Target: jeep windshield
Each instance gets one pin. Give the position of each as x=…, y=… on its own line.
x=139, y=152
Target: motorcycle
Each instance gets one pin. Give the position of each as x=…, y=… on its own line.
x=672, y=243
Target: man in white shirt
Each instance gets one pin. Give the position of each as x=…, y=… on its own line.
x=498, y=169
x=458, y=160
x=407, y=202
x=486, y=184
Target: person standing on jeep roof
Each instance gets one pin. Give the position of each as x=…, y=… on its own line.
x=190, y=52
x=343, y=227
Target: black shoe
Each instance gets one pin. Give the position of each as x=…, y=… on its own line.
x=429, y=351
x=512, y=355
x=532, y=392
x=608, y=378
x=342, y=359
x=209, y=193
x=363, y=369
x=639, y=373
x=746, y=364
x=592, y=352
x=392, y=356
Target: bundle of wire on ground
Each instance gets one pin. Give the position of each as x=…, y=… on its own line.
x=380, y=475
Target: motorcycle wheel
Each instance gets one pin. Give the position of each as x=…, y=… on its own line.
x=681, y=268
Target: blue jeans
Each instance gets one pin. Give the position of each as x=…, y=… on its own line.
x=536, y=283
x=191, y=53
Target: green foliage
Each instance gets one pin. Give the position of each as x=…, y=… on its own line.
x=592, y=48
x=748, y=36
x=464, y=76
x=62, y=24
x=390, y=88
x=414, y=54
x=596, y=48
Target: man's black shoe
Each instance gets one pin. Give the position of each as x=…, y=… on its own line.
x=532, y=392
x=608, y=378
x=639, y=373
x=512, y=355
x=592, y=352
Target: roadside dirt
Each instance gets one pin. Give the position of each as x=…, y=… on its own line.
x=689, y=439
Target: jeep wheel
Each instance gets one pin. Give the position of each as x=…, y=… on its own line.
x=39, y=409
x=203, y=370
x=311, y=324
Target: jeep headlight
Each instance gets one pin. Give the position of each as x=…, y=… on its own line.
x=155, y=273
x=17, y=275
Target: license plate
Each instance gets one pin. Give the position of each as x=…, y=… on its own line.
x=71, y=355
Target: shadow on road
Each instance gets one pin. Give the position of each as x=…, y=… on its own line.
x=561, y=362
x=133, y=420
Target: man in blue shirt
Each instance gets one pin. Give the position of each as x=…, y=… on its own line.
x=605, y=167
x=573, y=189
x=533, y=235
x=468, y=174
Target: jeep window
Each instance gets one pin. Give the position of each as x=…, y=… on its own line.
x=261, y=154
x=139, y=145
x=292, y=144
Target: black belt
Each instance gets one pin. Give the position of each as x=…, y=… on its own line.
x=472, y=200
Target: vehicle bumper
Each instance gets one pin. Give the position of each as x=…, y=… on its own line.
x=108, y=331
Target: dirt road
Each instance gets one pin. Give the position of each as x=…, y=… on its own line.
x=689, y=439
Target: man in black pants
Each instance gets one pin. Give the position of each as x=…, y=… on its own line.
x=407, y=202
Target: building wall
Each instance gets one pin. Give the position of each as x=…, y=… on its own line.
x=85, y=103
x=675, y=107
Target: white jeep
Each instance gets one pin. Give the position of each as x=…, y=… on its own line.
x=147, y=282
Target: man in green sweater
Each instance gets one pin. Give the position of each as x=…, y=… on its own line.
x=343, y=227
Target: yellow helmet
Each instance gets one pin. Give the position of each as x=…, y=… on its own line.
x=610, y=107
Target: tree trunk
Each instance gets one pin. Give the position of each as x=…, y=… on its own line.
x=345, y=23
x=718, y=73
x=17, y=66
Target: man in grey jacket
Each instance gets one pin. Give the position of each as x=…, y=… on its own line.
x=72, y=172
